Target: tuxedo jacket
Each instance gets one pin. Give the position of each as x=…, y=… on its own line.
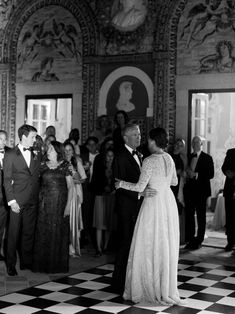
x=2, y=190
x=229, y=164
x=126, y=168
x=205, y=169
x=21, y=182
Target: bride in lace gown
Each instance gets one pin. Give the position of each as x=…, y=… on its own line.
x=151, y=274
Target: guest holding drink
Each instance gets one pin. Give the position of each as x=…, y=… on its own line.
x=79, y=176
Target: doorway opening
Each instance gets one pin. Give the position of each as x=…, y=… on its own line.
x=212, y=116
x=44, y=110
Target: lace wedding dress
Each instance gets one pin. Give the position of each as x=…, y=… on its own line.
x=151, y=274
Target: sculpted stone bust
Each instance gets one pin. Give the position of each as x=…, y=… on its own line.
x=125, y=94
x=128, y=14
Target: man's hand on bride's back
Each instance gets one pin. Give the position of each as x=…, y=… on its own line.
x=148, y=192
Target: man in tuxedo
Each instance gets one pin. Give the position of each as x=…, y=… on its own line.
x=228, y=169
x=21, y=182
x=127, y=167
x=196, y=191
x=3, y=203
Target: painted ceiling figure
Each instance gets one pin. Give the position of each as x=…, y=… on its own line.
x=222, y=61
x=221, y=16
x=128, y=14
x=65, y=40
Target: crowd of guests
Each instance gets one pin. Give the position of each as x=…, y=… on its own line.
x=56, y=198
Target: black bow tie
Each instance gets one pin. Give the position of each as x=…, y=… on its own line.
x=135, y=152
x=2, y=151
x=24, y=149
x=194, y=155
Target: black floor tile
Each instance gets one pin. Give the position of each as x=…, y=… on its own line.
x=39, y=303
x=81, y=301
x=220, y=308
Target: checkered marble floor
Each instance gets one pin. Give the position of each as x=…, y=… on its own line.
x=209, y=288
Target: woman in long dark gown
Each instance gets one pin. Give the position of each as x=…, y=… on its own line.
x=51, y=251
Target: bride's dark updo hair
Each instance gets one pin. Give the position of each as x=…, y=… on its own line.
x=160, y=136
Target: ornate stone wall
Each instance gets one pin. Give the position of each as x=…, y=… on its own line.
x=22, y=12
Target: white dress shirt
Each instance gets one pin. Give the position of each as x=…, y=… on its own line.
x=26, y=154
x=134, y=156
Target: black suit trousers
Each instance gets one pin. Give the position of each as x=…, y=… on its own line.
x=126, y=223
x=230, y=219
x=3, y=219
x=195, y=204
x=21, y=235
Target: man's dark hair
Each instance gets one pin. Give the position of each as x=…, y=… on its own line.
x=92, y=138
x=25, y=129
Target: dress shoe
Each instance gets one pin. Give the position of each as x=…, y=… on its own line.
x=228, y=247
x=192, y=246
x=12, y=271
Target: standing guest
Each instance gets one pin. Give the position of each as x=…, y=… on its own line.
x=102, y=184
x=127, y=165
x=196, y=191
x=3, y=203
x=228, y=169
x=74, y=137
x=103, y=128
x=79, y=176
x=178, y=155
x=151, y=274
x=48, y=141
x=50, y=130
x=51, y=249
x=21, y=182
x=88, y=158
x=120, y=119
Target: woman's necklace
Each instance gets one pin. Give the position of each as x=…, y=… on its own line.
x=53, y=164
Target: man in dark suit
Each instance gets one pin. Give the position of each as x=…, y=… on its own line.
x=127, y=167
x=3, y=203
x=21, y=182
x=228, y=169
x=196, y=191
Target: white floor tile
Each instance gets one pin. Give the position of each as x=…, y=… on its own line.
x=59, y=296
x=227, y=301
x=220, y=272
x=207, y=265
x=197, y=304
x=107, y=267
x=53, y=286
x=19, y=309
x=100, y=295
x=217, y=291
x=65, y=308
x=229, y=280
x=110, y=307
x=189, y=273
x=186, y=293
x=208, y=312
x=202, y=282
x=152, y=307
x=92, y=285
x=85, y=276
x=182, y=266
x=16, y=298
